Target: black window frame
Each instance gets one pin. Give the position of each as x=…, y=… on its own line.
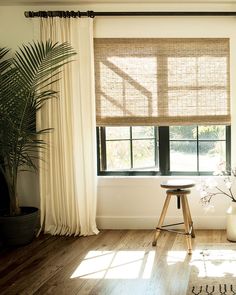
x=164, y=155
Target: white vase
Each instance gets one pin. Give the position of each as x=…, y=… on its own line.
x=231, y=222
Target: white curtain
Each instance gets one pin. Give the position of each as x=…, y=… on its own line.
x=68, y=173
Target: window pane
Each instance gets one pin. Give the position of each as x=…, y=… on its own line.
x=142, y=132
x=118, y=155
x=183, y=132
x=211, y=154
x=183, y=156
x=117, y=133
x=143, y=154
x=211, y=132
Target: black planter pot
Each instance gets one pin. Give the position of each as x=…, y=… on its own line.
x=4, y=199
x=19, y=230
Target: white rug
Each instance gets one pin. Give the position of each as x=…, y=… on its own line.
x=213, y=269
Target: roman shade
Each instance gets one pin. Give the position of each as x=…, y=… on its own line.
x=162, y=81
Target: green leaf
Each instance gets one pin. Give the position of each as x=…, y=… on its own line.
x=26, y=83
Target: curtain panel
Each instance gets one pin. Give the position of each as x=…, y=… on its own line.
x=68, y=187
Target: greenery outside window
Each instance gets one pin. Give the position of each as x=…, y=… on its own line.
x=151, y=150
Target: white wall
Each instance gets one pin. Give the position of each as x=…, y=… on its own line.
x=135, y=202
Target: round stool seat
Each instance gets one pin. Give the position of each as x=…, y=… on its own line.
x=176, y=192
x=178, y=184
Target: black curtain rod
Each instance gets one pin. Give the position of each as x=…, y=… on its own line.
x=92, y=14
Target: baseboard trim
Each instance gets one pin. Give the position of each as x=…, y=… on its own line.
x=150, y=222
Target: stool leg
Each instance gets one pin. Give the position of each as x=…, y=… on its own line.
x=161, y=219
x=190, y=219
x=186, y=224
x=178, y=201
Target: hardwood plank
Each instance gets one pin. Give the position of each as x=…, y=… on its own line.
x=11, y=257
x=129, y=264
x=62, y=280
x=43, y=265
x=13, y=277
x=134, y=241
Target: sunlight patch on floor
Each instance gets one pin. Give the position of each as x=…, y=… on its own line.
x=214, y=263
x=115, y=265
x=174, y=257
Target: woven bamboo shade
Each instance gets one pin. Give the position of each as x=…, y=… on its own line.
x=162, y=81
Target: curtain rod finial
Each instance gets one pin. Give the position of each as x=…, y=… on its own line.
x=27, y=13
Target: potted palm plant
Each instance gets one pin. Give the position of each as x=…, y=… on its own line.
x=26, y=83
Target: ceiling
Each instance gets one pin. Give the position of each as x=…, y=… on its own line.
x=48, y=2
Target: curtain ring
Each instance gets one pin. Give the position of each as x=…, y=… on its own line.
x=73, y=14
x=43, y=14
x=90, y=13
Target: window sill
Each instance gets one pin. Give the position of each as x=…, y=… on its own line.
x=149, y=181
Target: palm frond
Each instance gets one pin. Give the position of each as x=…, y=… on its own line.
x=26, y=83
x=35, y=68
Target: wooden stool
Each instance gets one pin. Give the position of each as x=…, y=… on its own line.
x=177, y=188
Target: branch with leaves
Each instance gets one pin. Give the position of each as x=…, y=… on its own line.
x=209, y=188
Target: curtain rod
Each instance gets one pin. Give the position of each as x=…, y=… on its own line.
x=92, y=14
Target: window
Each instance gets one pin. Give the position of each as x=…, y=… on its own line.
x=199, y=148
x=129, y=148
x=162, y=105
x=147, y=150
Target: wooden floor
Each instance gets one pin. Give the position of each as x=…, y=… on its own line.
x=113, y=262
